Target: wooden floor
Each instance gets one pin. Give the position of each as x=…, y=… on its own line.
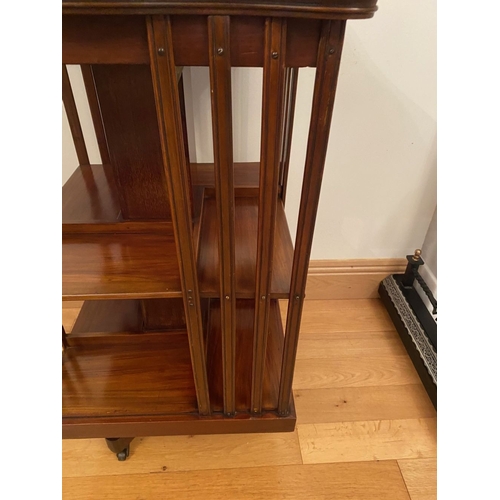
x=366, y=429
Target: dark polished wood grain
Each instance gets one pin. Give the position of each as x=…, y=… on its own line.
x=129, y=379
x=330, y=9
x=222, y=125
x=325, y=85
x=244, y=343
x=302, y=40
x=99, y=318
x=108, y=316
x=245, y=174
x=112, y=266
x=272, y=118
x=246, y=220
x=104, y=40
x=163, y=314
x=177, y=176
x=113, y=339
x=247, y=37
x=179, y=424
x=90, y=205
x=127, y=105
x=121, y=226
x=90, y=195
x=121, y=40
x=73, y=119
x=119, y=385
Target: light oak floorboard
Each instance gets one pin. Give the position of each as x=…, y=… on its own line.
x=340, y=344
x=361, y=481
x=383, y=335
x=369, y=440
x=349, y=404
x=420, y=478
x=91, y=457
x=343, y=316
x=354, y=371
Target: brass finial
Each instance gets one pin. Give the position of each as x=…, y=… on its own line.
x=416, y=255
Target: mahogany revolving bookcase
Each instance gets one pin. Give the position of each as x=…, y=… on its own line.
x=181, y=266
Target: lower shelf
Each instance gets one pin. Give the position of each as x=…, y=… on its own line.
x=128, y=378
x=124, y=384
x=174, y=425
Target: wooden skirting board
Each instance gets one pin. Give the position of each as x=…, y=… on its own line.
x=349, y=278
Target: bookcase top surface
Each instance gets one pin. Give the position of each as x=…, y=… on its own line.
x=326, y=9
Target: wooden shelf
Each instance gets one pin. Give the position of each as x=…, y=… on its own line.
x=108, y=317
x=246, y=223
x=90, y=196
x=246, y=174
x=118, y=322
x=119, y=266
x=153, y=377
x=104, y=320
x=141, y=384
x=245, y=312
x=90, y=205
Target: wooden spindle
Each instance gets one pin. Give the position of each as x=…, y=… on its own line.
x=220, y=83
x=330, y=48
x=73, y=119
x=175, y=168
x=272, y=109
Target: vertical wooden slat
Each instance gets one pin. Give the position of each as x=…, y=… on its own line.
x=95, y=111
x=73, y=119
x=329, y=52
x=220, y=84
x=272, y=108
x=291, y=78
x=175, y=167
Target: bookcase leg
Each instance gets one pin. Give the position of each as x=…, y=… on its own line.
x=327, y=69
x=120, y=446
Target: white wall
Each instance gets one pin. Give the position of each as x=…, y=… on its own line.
x=379, y=187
